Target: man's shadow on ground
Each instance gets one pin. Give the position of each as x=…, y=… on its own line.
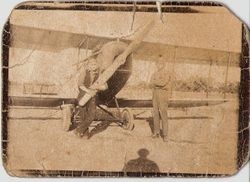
x=141, y=164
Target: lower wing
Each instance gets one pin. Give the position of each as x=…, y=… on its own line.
x=55, y=102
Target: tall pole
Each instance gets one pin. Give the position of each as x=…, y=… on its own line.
x=173, y=72
x=226, y=77
x=209, y=75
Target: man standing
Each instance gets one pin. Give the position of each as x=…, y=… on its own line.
x=160, y=83
x=87, y=112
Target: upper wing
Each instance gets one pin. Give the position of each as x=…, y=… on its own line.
x=51, y=40
x=179, y=54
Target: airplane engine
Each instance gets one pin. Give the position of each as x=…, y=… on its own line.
x=108, y=54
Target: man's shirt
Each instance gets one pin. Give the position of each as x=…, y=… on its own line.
x=161, y=80
x=87, y=77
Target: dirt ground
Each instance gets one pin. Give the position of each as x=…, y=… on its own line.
x=201, y=140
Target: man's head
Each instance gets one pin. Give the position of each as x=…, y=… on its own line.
x=92, y=64
x=143, y=153
x=160, y=63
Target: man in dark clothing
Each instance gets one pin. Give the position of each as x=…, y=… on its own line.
x=86, y=78
x=160, y=83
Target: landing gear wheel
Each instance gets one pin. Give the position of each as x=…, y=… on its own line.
x=128, y=119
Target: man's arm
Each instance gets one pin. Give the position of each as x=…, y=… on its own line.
x=81, y=78
x=84, y=88
x=91, y=89
x=151, y=82
x=100, y=87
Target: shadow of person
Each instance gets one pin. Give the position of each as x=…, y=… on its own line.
x=141, y=164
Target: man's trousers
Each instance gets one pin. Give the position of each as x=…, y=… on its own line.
x=160, y=108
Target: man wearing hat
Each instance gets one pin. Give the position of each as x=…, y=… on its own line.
x=87, y=112
x=160, y=84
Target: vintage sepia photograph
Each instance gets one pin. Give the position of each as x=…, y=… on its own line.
x=125, y=89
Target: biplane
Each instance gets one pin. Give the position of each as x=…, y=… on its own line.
x=54, y=41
